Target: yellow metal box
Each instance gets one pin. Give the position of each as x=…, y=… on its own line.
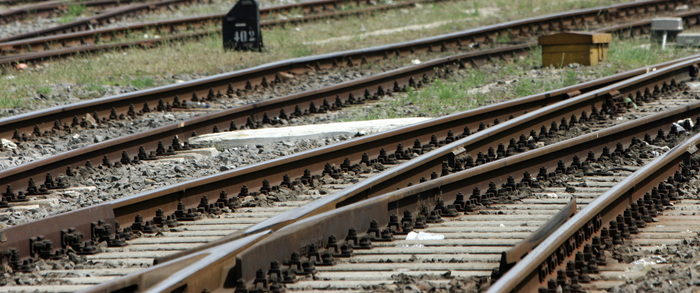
x=584, y=48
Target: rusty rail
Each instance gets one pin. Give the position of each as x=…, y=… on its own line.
x=44, y=120
x=365, y=88
x=444, y=186
x=189, y=192
x=90, y=23
x=296, y=236
x=185, y=192
x=175, y=26
x=52, y=8
x=49, y=48
x=106, y=17
x=400, y=176
x=13, y=2
x=512, y=256
x=534, y=270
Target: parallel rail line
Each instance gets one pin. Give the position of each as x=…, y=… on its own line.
x=123, y=211
x=189, y=193
x=593, y=226
x=49, y=48
x=416, y=199
x=101, y=19
x=369, y=88
x=330, y=98
x=36, y=123
x=275, y=239
x=90, y=23
x=53, y=8
x=13, y=2
x=17, y=177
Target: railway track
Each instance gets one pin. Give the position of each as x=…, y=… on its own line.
x=120, y=105
x=236, y=189
x=109, y=16
x=585, y=244
x=31, y=48
x=672, y=229
x=98, y=20
x=240, y=116
x=117, y=155
x=121, y=151
x=114, y=261
x=100, y=40
x=14, y=2
x=312, y=225
x=396, y=177
x=53, y=8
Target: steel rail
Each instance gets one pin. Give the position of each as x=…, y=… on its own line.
x=189, y=193
x=106, y=17
x=58, y=46
x=122, y=211
x=280, y=243
x=52, y=8
x=107, y=212
x=20, y=177
x=534, y=270
x=423, y=166
x=50, y=48
x=365, y=88
x=44, y=119
x=513, y=255
x=109, y=16
x=96, y=213
x=174, y=26
x=13, y=2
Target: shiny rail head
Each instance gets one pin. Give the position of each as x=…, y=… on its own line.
x=524, y=275
x=354, y=216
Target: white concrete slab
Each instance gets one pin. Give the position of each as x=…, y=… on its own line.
x=277, y=134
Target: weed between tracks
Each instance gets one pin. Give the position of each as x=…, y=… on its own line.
x=74, y=11
x=475, y=87
x=91, y=76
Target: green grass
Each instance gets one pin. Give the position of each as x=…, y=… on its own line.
x=66, y=19
x=639, y=52
x=142, y=82
x=43, y=89
x=475, y=10
x=74, y=11
x=503, y=38
x=461, y=92
x=10, y=101
x=441, y=97
x=156, y=67
x=94, y=87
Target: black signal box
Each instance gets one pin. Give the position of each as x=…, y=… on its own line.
x=241, y=27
